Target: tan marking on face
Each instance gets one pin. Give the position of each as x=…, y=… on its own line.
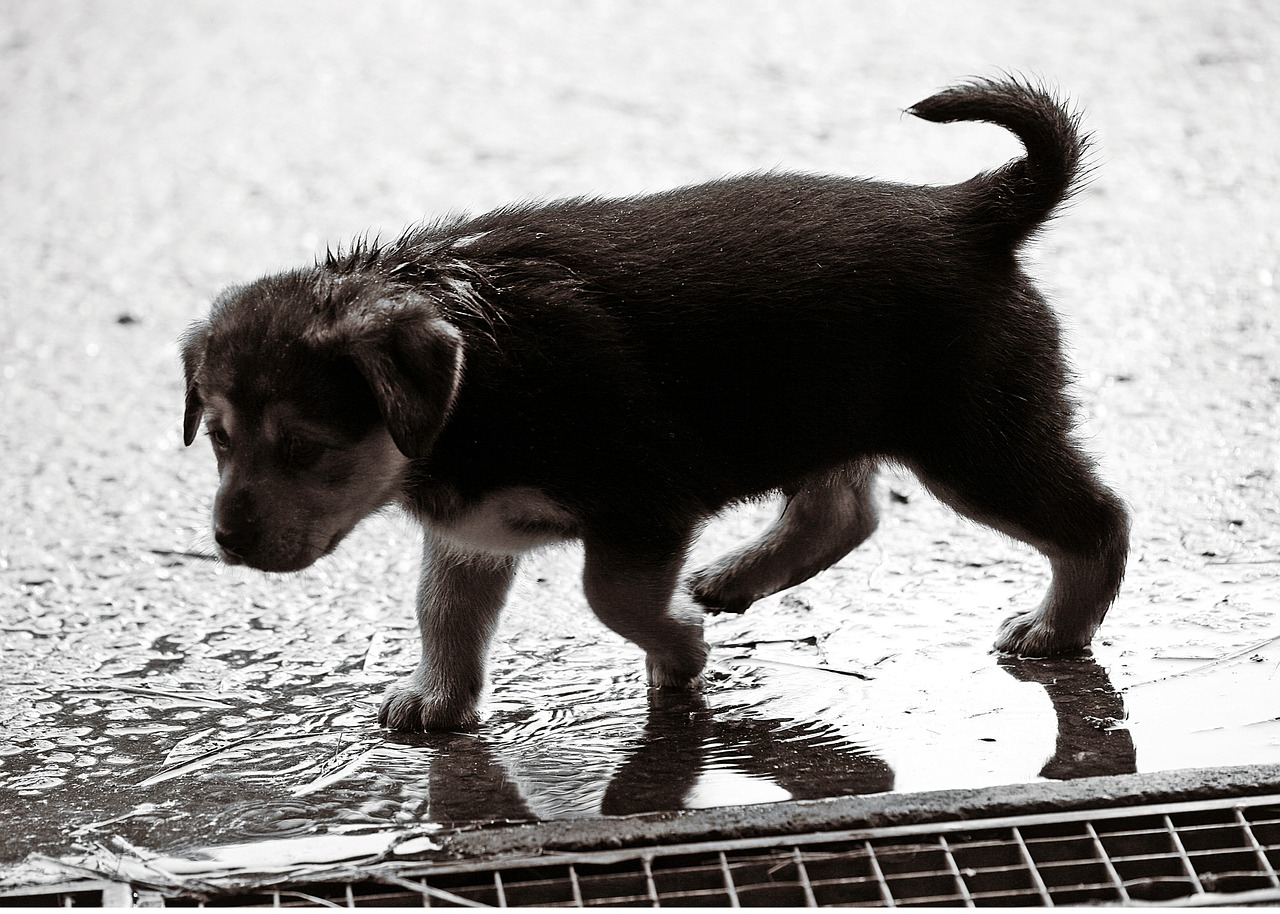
x=219, y=411
x=301, y=513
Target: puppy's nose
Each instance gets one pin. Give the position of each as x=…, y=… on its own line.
x=236, y=543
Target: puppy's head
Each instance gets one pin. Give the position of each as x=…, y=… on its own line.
x=316, y=392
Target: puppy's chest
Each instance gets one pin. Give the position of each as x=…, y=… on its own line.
x=507, y=521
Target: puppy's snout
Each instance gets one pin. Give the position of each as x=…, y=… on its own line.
x=236, y=542
x=235, y=525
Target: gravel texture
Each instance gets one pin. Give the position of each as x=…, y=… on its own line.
x=152, y=153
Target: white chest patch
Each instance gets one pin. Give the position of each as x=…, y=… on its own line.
x=508, y=522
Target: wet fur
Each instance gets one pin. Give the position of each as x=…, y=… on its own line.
x=618, y=370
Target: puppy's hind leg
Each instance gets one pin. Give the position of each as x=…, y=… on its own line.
x=1045, y=494
x=631, y=586
x=460, y=596
x=823, y=520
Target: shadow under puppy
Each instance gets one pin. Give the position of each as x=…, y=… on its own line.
x=618, y=370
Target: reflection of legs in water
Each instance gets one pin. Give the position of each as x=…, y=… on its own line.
x=800, y=758
x=1086, y=705
x=808, y=760
x=466, y=782
x=662, y=770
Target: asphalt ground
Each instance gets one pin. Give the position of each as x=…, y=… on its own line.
x=151, y=154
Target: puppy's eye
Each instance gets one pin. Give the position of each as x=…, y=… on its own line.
x=303, y=452
x=221, y=440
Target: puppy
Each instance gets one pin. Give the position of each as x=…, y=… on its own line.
x=618, y=370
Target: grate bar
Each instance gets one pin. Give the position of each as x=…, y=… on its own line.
x=731, y=891
x=1187, y=865
x=1036, y=878
x=1263, y=863
x=303, y=896
x=802, y=873
x=885, y=895
x=1259, y=897
x=428, y=891
x=955, y=872
x=497, y=885
x=650, y=884
x=576, y=886
x=1105, y=859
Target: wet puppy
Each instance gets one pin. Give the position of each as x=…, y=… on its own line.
x=616, y=371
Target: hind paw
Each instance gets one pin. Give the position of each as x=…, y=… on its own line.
x=1027, y=634
x=715, y=593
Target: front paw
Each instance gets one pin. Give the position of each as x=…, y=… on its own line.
x=408, y=706
x=1026, y=634
x=681, y=669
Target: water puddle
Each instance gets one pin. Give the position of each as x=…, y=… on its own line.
x=205, y=751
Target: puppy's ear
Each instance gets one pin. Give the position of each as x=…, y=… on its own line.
x=193, y=343
x=412, y=360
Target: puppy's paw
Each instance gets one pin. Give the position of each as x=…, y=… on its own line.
x=673, y=680
x=409, y=707
x=681, y=670
x=1027, y=634
x=715, y=592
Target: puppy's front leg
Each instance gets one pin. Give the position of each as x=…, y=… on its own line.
x=632, y=589
x=459, y=599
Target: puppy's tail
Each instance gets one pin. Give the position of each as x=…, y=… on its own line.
x=1011, y=203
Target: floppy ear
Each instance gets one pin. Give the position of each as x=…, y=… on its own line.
x=193, y=342
x=412, y=360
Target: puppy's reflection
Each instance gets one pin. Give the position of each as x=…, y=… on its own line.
x=467, y=780
x=685, y=742
x=1088, y=707
x=683, y=736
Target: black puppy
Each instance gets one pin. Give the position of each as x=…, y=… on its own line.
x=616, y=371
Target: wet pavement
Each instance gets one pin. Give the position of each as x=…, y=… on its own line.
x=235, y=729
x=154, y=702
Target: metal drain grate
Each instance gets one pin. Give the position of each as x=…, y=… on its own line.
x=1203, y=852
x=1210, y=852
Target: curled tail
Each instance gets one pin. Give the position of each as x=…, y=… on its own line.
x=1012, y=202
